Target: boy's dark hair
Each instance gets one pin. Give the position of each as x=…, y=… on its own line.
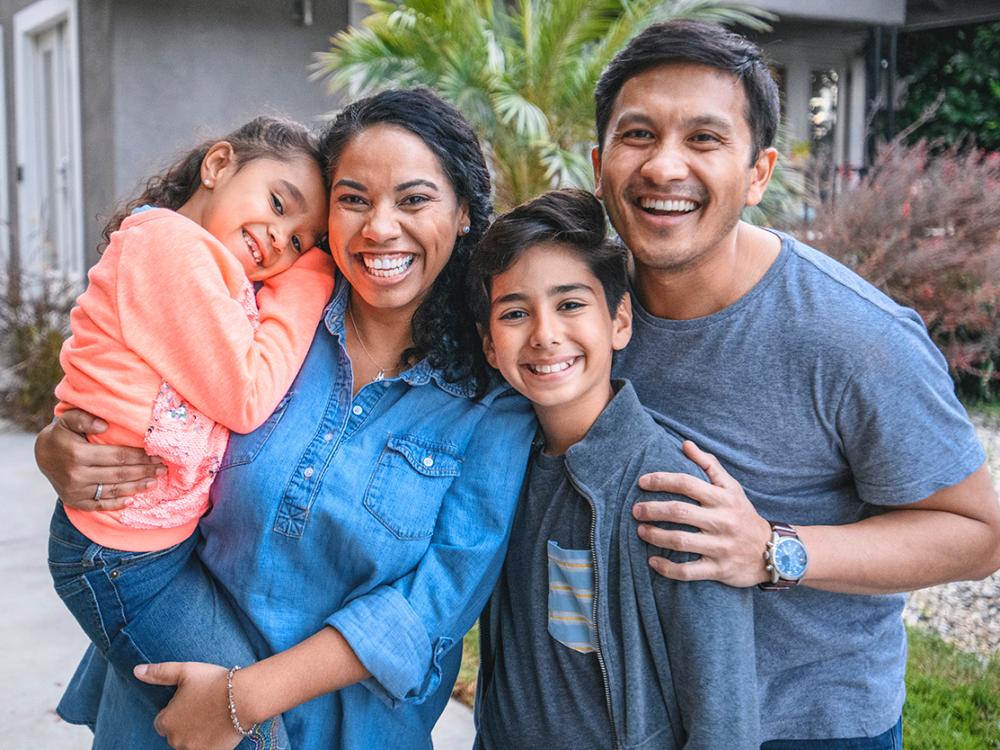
x=702, y=44
x=442, y=327
x=571, y=218
x=263, y=137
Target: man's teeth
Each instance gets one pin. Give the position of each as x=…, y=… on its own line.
x=386, y=267
x=548, y=369
x=680, y=206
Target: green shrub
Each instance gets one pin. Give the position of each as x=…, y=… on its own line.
x=34, y=322
x=925, y=229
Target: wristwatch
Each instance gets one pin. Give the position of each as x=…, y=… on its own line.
x=786, y=558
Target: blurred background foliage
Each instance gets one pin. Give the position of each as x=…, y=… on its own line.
x=522, y=72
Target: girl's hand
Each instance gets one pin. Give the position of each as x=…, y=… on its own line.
x=197, y=717
x=74, y=467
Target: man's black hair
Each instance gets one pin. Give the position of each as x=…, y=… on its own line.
x=701, y=44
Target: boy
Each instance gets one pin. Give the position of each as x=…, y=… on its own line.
x=592, y=649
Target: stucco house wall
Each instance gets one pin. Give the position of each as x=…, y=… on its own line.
x=156, y=77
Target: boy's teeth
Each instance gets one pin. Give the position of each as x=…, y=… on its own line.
x=681, y=206
x=547, y=369
x=386, y=267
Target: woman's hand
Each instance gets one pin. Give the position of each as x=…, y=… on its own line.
x=197, y=717
x=74, y=467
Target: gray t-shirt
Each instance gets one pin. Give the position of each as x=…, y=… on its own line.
x=825, y=400
x=545, y=693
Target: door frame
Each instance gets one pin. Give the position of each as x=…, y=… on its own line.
x=36, y=19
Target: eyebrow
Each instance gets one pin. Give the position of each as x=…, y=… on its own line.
x=399, y=188
x=553, y=291
x=711, y=121
x=351, y=184
x=413, y=183
x=632, y=118
x=294, y=192
x=698, y=121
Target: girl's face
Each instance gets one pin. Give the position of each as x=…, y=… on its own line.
x=266, y=212
x=394, y=217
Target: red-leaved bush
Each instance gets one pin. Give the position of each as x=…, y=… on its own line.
x=925, y=229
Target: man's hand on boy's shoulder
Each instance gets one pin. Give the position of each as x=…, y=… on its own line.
x=732, y=536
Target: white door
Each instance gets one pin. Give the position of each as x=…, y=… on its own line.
x=49, y=201
x=5, y=225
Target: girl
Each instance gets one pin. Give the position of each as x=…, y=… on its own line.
x=170, y=348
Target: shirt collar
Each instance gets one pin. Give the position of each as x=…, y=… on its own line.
x=598, y=457
x=420, y=374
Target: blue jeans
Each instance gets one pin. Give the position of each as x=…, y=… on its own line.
x=141, y=608
x=891, y=739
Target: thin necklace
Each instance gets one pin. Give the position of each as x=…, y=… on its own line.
x=357, y=332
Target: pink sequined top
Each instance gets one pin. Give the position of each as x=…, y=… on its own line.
x=171, y=348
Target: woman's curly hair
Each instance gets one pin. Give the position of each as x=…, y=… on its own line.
x=262, y=137
x=442, y=328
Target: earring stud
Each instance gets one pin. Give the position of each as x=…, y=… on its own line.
x=466, y=229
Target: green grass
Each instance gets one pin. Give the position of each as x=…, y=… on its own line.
x=465, y=685
x=953, y=698
x=989, y=409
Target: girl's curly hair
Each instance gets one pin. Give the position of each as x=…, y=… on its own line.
x=442, y=328
x=262, y=137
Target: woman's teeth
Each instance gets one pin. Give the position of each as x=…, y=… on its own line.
x=386, y=267
x=549, y=369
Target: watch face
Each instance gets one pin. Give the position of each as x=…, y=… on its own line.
x=790, y=558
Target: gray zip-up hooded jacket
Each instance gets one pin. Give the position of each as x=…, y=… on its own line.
x=677, y=657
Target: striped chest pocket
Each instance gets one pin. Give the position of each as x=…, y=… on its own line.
x=571, y=597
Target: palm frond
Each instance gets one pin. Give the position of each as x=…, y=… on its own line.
x=565, y=167
x=711, y=11
x=522, y=71
x=527, y=120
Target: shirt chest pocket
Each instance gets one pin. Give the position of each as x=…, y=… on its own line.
x=243, y=449
x=409, y=482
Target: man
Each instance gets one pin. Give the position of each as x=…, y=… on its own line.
x=850, y=467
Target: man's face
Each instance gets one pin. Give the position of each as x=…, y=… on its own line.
x=676, y=171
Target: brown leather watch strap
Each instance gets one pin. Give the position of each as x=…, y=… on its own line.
x=782, y=584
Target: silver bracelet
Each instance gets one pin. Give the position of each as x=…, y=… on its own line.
x=232, y=706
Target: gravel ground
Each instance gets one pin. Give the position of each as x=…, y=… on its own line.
x=967, y=613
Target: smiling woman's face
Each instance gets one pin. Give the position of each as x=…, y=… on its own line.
x=394, y=217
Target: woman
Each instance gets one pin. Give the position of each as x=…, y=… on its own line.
x=360, y=529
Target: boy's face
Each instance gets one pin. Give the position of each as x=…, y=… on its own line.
x=550, y=333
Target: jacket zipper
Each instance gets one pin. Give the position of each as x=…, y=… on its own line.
x=597, y=630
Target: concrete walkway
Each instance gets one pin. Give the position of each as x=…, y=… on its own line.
x=41, y=643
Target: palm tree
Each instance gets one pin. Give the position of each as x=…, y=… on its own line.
x=523, y=72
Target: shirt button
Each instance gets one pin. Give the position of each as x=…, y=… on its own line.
x=308, y=472
x=328, y=437
x=357, y=410
x=428, y=461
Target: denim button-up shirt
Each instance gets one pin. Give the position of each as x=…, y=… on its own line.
x=385, y=515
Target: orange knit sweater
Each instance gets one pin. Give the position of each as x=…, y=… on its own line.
x=169, y=348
